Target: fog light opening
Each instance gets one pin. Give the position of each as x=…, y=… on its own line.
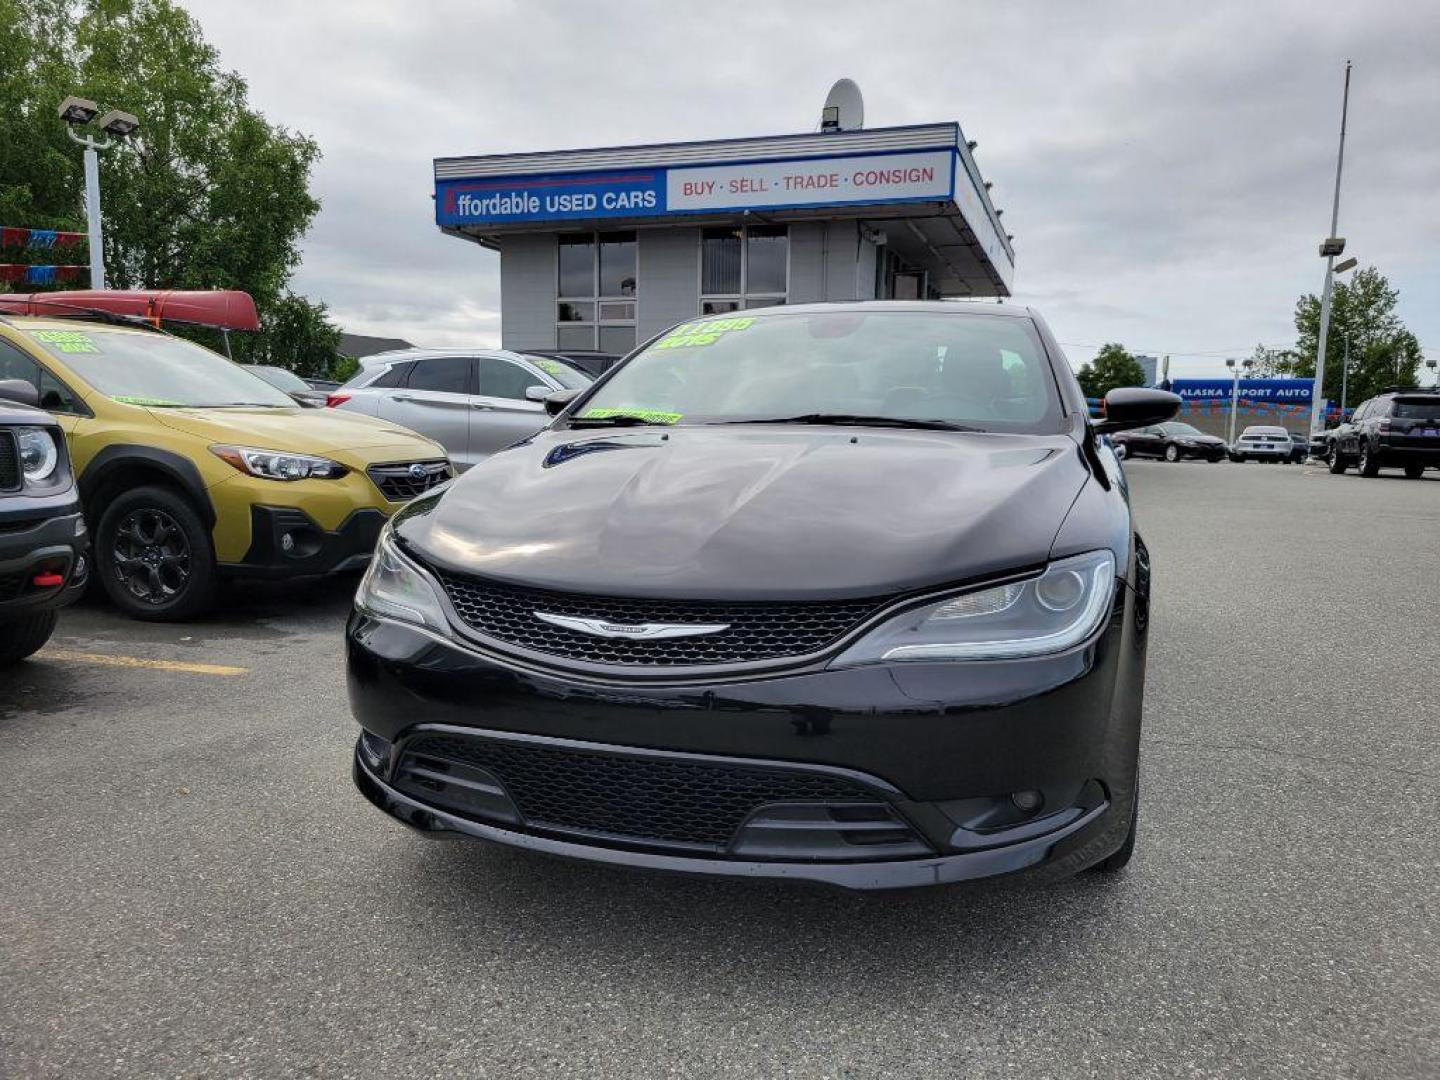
x=1028, y=801
x=300, y=543
x=375, y=750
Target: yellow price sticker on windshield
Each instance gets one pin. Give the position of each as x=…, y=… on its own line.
x=67, y=341
x=706, y=332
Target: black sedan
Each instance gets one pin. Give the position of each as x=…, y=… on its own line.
x=844, y=593
x=1171, y=441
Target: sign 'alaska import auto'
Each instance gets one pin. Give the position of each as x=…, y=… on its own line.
x=773, y=185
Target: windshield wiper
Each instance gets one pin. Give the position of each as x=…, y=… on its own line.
x=617, y=420
x=858, y=420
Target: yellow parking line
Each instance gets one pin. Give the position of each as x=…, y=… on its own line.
x=106, y=660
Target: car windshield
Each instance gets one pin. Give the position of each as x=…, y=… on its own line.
x=961, y=369
x=563, y=372
x=156, y=370
x=281, y=378
x=1176, y=428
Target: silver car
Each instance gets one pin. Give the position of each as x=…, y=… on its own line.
x=1261, y=443
x=473, y=403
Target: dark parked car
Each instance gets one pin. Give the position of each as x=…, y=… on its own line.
x=1171, y=440
x=593, y=364
x=287, y=382
x=1299, y=446
x=848, y=593
x=43, y=546
x=1400, y=428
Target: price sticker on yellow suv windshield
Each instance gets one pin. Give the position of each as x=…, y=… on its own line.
x=66, y=341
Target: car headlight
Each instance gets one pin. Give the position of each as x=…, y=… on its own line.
x=39, y=455
x=1045, y=614
x=278, y=464
x=395, y=588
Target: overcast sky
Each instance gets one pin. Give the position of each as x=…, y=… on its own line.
x=1166, y=167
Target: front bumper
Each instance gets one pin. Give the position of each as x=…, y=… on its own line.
x=42, y=547
x=286, y=542
x=944, y=748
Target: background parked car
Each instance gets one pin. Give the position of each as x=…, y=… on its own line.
x=1171, y=441
x=1261, y=442
x=593, y=364
x=1299, y=446
x=472, y=403
x=1396, y=428
x=286, y=381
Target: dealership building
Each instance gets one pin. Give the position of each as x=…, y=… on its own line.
x=603, y=248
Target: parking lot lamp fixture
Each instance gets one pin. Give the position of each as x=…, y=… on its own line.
x=1434, y=373
x=1235, y=390
x=79, y=113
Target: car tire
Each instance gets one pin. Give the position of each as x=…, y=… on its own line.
x=1116, y=862
x=24, y=636
x=1369, y=463
x=1336, y=459
x=1172, y=453
x=1414, y=472
x=153, y=555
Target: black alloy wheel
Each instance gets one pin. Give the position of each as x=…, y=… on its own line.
x=1369, y=464
x=1414, y=472
x=154, y=555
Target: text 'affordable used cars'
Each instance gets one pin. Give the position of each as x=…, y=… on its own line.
x=845, y=593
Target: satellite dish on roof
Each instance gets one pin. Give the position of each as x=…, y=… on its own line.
x=844, y=108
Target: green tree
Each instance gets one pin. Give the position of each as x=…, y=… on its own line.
x=1383, y=352
x=1112, y=367
x=208, y=194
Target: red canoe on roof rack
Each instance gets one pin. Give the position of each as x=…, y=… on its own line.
x=224, y=309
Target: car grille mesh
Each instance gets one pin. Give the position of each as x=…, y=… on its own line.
x=667, y=801
x=756, y=631
x=9, y=462
x=398, y=485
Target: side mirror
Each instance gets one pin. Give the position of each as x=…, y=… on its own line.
x=555, y=402
x=537, y=392
x=21, y=390
x=1131, y=407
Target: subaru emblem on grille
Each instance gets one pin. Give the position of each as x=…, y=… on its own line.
x=635, y=632
x=418, y=472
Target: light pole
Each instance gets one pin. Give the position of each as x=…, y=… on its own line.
x=1344, y=375
x=1235, y=391
x=78, y=113
x=1434, y=373
x=1332, y=246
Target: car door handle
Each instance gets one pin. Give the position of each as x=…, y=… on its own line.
x=403, y=397
x=480, y=405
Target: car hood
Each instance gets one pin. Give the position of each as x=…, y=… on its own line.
x=751, y=513
x=351, y=438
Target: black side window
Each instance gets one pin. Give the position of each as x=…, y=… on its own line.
x=500, y=378
x=445, y=374
x=55, y=396
x=395, y=376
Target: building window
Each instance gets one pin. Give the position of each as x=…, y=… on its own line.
x=596, y=292
x=743, y=268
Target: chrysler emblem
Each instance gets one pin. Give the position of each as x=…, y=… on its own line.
x=632, y=631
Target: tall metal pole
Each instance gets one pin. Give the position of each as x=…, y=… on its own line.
x=92, y=213
x=1317, y=416
x=1234, y=403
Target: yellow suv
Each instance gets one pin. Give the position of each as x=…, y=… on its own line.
x=192, y=469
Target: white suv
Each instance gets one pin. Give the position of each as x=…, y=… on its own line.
x=472, y=403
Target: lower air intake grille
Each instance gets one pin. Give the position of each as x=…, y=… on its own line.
x=9, y=462
x=754, y=631
x=671, y=802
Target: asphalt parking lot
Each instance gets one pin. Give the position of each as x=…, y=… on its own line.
x=190, y=885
